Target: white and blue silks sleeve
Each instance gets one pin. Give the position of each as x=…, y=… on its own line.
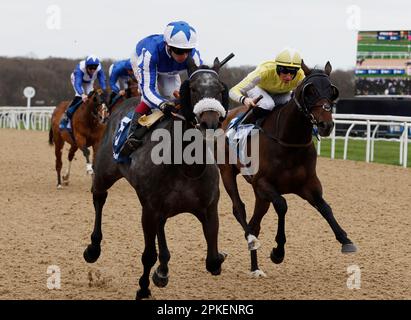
x=148, y=67
x=78, y=80
x=196, y=57
x=115, y=74
x=102, y=79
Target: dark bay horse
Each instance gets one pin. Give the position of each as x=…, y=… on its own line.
x=287, y=162
x=165, y=190
x=131, y=91
x=88, y=125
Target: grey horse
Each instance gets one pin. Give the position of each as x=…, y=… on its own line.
x=165, y=190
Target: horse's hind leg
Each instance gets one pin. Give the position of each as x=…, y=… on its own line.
x=312, y=192
x=210, y=224
x=72, y=151
x=149, y=257
x=89, y=166
x=230, y=183
x=260, y=209
x=160, y=275
x=81, y=142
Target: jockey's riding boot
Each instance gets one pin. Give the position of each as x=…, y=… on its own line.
x=112, y=95
x=256, y=116
x=135, y=135
x=68, y=113
x=72, y=107
x=260, y=115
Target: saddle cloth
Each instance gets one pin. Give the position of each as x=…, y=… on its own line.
x=122, y=132
x=237, y=138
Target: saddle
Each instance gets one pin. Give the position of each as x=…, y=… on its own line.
x=151, y=119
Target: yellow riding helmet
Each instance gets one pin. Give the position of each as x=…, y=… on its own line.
x=289, y=58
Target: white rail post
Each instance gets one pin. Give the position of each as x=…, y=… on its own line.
x=29, y=93
x=402, y=147
x=367, y=151
x=319, y=147
x=373, y=141
x=405, y=151
x=333, y=143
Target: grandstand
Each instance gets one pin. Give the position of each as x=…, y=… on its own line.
x=383, y=63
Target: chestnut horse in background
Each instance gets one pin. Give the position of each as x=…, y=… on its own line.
x=287, y=162
x=88, y=125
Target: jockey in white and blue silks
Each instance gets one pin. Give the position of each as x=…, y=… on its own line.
x=119, y=74
x=156, y=62
x=82, y=79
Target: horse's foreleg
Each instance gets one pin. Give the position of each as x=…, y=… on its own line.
x=280, y=206
x=260, y=209
x=92, y=252
x=312, y=192
x=267, y=192
x=149, y=257
x=230, y=183
x=160, y=275
x=58, y=146
x=72, y=151
x=210, y=224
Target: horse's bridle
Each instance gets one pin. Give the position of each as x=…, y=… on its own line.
x=211, y=71
x=306, y=110
x=94, y=111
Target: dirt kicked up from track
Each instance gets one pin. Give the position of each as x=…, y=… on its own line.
x=42, y=226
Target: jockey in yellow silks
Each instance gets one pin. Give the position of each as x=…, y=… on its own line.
x=273, y=80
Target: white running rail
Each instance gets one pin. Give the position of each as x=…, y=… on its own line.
x=34, y=118
x=372, y=123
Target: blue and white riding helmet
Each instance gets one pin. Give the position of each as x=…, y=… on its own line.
x=92, y=60
x=180, y=34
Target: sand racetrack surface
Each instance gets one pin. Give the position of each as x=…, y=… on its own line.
x=42, y=226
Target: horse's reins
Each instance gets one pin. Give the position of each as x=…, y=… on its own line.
x=305, y=110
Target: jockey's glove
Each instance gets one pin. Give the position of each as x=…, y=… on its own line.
x=167, y=107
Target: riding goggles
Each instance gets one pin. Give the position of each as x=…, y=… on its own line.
x=287, y=70
x=179, y=51
x=92, y=67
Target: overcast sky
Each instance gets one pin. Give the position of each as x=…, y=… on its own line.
x=255, y=30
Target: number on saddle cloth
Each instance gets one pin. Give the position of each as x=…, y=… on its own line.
x=237, y=137
x=120, y=137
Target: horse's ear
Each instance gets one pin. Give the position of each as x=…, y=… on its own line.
x=306, y=70
x=216, y=66
x=328, y=68
x=191, y=65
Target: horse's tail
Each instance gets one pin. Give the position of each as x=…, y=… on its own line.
x=51, y=136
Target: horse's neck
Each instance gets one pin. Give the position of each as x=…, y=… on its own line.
x=192, y=170
x=87, y=115
x=289, y=125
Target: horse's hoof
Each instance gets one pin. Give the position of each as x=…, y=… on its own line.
x=222, y=256
x=160, y=280
x=258, y=274
x=348, y=248
x=65, y=180
x=253, y=242
x=276, y=256
x=143, y=294
x=92, y=253
x=59, y=187
x=216, y=272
